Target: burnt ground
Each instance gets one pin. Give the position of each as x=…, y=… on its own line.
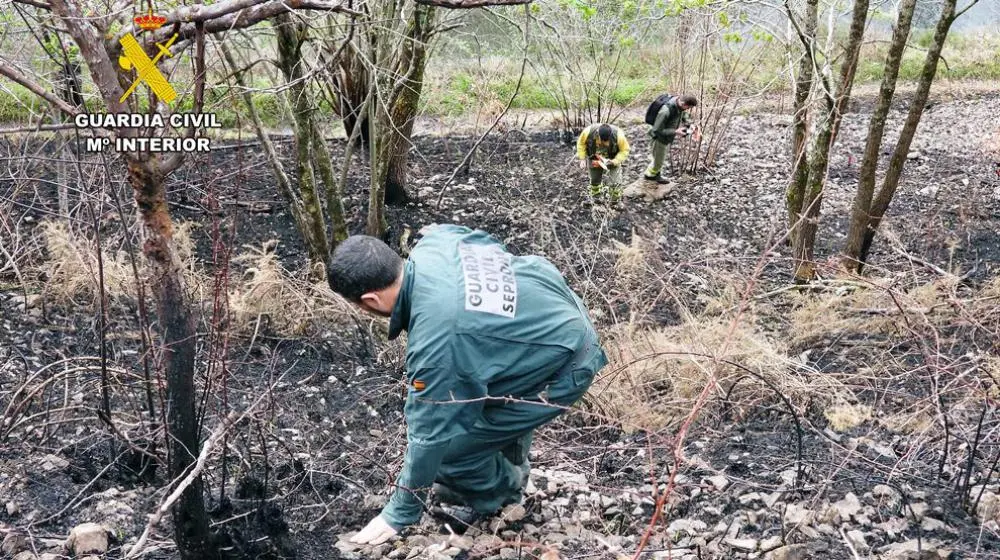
x=313, y=462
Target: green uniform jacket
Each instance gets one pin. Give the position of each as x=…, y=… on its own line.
x=668, y=120
x=479, y=322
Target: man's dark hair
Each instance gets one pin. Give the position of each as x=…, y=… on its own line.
x=689, y=100
x=604, y=132
x=362, y=264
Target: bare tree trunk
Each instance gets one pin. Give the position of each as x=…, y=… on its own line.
x=291, y=36
x=351, y=82
x=334, y=199
x=800, y=123
x=413, y=60
x=835, y=105
x=177, y=328
x=876, y=131
x=376, y=224
x=891, y=180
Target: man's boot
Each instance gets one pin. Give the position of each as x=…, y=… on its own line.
x=658, y=178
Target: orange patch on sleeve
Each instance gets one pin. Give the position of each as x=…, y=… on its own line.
x=419, y=385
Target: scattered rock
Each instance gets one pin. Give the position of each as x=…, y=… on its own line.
x=12, y=509
x=508, y=553
x=857, y=540
x=746, y=545
x=514, y=512
x=88, y=538
x=914, y=549
x=847, y=507
x=720, y=482
x=692, y=527
x=649, y=190
x=798, y=515
x=930, y=524
x=14, y=543
x=53, y=463
x=790, y=552
x=919, y=510
x=25, y=555
x=770, y=543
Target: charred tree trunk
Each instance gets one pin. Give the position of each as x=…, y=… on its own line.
x=868, y=221
x=291, y=36
x=177, y=328
x=146, y=175
x=800, y=125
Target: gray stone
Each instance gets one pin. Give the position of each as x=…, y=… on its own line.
x=770, y=543
x=12, y=509
x=930, y=524
x=380, y=550
x=463, y=542
x=746, y=545
x=720, y=482
x=648, y=190
x=514, y=512
x=848, y=507
x=796, y=514
x=88, y=538
x=53, y=462
x=790, y=552
x=691, y=527
x=919, y=509
x=857, y=540
x=14, y=543
x=914, y=549
x=508, y=553
x=25, y=555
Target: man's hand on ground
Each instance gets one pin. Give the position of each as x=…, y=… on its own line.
x=376, y=532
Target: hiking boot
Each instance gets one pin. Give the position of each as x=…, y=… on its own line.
x=445, y=495
x=459, y=518
x=656, y=178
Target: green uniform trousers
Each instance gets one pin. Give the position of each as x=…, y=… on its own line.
x=482, y=466
x=659, y=155
x=612, y=177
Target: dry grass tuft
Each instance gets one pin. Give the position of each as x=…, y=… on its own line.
x=265, y=295
x=72, y=269
x=844, y=416
x=290, y=306
x=656, y=375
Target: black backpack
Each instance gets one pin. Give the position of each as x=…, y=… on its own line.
x=655, y=106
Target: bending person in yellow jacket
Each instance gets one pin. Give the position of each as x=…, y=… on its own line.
x=602, y=149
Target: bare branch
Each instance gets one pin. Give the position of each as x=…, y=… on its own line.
x=466, y=4
x=36, y=3
x=234, y=14
x=16, y=75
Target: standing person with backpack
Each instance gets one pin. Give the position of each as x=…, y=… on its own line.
x=668, y=117
x=602, y=149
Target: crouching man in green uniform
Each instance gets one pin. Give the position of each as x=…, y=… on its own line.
x=602, y=149
x=672, y=120
x=497, y=345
